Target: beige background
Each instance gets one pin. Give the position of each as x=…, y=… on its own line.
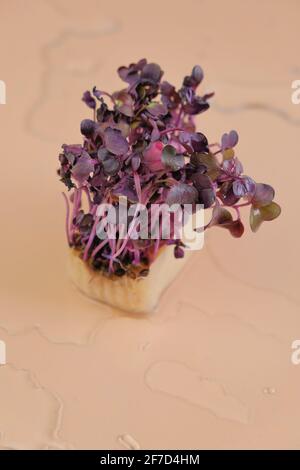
x=211, y=368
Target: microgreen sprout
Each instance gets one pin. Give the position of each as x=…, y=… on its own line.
x=142, y=143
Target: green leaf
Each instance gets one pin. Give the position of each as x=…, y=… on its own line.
x=265, y=213
x=171, y=160
x=270, y=212
x=208, y=160
x=224, y=216
x=228, y=154
x=156, y=109
x=220, y=216
x=255, y=219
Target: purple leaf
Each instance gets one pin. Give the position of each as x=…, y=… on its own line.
x=166, y=88
x=207, y=197
x=130, y=74
x=178, y=252
x=111, y=165
x=135, y=162
x=110, y=162
x=229, y=140
x=243, y=187
x=89, y=100
x=201, y=181
x=232, y=167
x=193, y=104
x=115, y=142
x=156, y=109
x=205, y=189
x=126, y=188
x=194, y=141
x=220, y=216
x=152, y=156
x=127, y=75
x=97, y=181
x=124, y=103
x=152, y=73
x=227, y=195
x=199, y=142
x=70, y=158
x=170, y=96
x=87, y=127
x=236, y=228
x=264, y=194
x=155, y=134
x=182, y=194
x=83, y=168
x=197, y=74
x=74, y=149
x=233, y=138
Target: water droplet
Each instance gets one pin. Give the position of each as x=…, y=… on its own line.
x=129, y=442
x=269, y=390
x=145, y=346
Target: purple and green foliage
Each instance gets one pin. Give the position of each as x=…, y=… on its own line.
x=142, y=143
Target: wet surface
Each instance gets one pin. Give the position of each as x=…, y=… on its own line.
x=211, y=368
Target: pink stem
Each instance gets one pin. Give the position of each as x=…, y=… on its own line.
x=119, y=251
x=111, y=261
x=174, y=129
x=137, y=183
x=236, y=206
x=69, y=238
x=91, y=238
x=179, y=117
x=99, y=247
x=86, y=190
x=76, y=206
